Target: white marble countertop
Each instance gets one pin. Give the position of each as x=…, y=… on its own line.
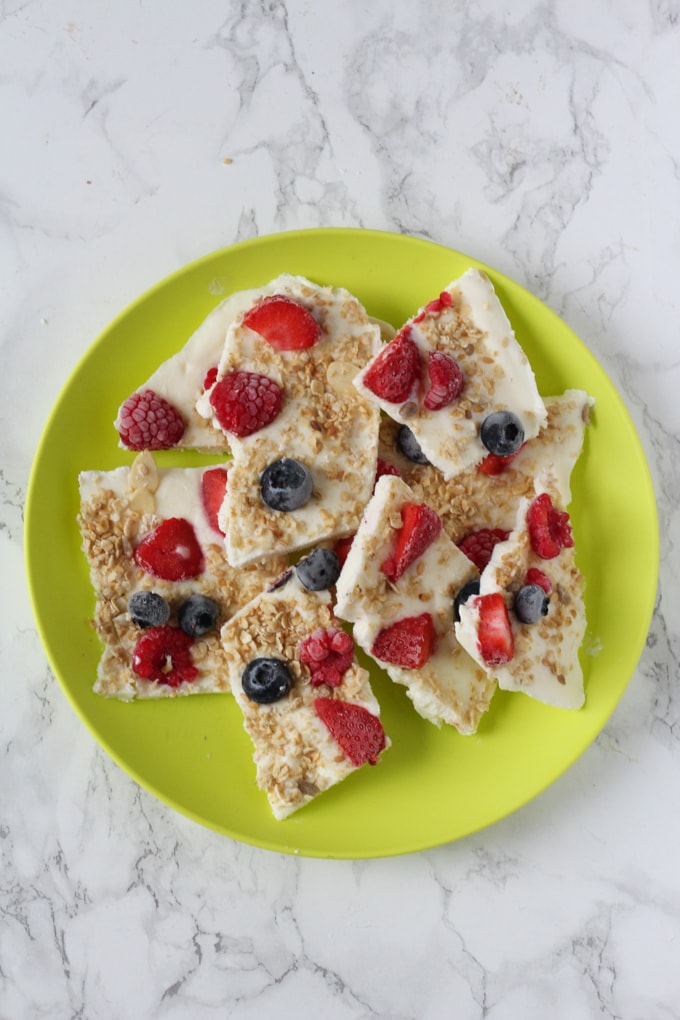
x=542, y=140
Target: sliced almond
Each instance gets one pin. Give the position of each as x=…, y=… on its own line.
x=142, y=501
x=339, y=376
x=143, y=472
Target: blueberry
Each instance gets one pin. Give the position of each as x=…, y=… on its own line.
x=197, y=615
x=319, y=570
x=148, y=609
x=409, y=446
x=286, y=484
x=502, y=433
x=531, y=603
x=266, y=680
x=469, y=589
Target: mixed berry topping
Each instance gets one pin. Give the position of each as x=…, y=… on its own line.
x=396, y=370
x=283, y=323
x=549, y=528
x=171, y=551
x=147, y=421
x=530, y=603
x=266, y=680
x=245, y=402
x=319, y=570
x=494, y=633
x=502, y=433
x=358, y=732
x=213, y=491
x=408, y=643
x=286, y=485
x=420, y=527
x=163, y=654
x=479, y=545
x=446, y=381
x=328, y=654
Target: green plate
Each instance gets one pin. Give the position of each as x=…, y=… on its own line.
x=433, y=785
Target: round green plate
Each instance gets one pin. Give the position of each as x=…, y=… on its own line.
x=433, y=785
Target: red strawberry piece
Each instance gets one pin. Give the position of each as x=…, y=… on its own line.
x=283, y=323
x=163, y=654
x=495, y=465
x=446, y=381
x=328, y=654
x=395, y=370
x=409, y=642
x=479, y=545
x=210, y=378
x=147, y=421
x=244, y=402
x=171, y=551
x=536, y=576
x=434, y=307
x=342, y=548
x=549, y=528
x=359, y=732
x=494, y=635
x=213, y=491
x=384, y=468
x=420, y=526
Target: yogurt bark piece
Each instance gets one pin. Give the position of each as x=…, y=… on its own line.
x=414, y=611
x=451, y=368
x=313, y=734
x=179, y=382
x=124, y=521
x=529, y=640
x=474, y=499
x=310, y=414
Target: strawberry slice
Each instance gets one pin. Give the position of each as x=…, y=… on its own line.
x=395, y=370
x=494, y=635
x=359, y=733
x=409, y=642
x=446, y=381
x=495, y=465
x=549, y=528
x=283, y=323
x=171, y=551
x=420, y=526
x=213, y=490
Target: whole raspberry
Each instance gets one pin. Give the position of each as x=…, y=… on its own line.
x=244, y=402
x=549, y=527
x=479, y=545
x=163, y=654
x=446, y=381
x=328, y=654
x=147, y=421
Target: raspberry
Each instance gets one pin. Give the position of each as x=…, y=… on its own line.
x=420, y=526
x=495, y=465
x=171, y=551
x=395, y=370
x=244, y=402
x=358, y=732
x=437, y=305
x=479, y=545
x=210, y=378
x=384, y=468
x=328, y=654
x=342, y=548
x=409, y=642
x=446, y=381
x=536, y=576
x=549, y=528
x=163, y=654
x=147, y=421
x=283, y=323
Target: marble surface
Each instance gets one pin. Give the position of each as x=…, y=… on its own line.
x=539, y=137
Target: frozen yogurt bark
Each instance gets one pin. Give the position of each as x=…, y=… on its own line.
x=304, y=441
x=307, y=705
x=527, y=623
x=161, y=579
x=456, y=375
x=486, y=496
x=398, y=586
